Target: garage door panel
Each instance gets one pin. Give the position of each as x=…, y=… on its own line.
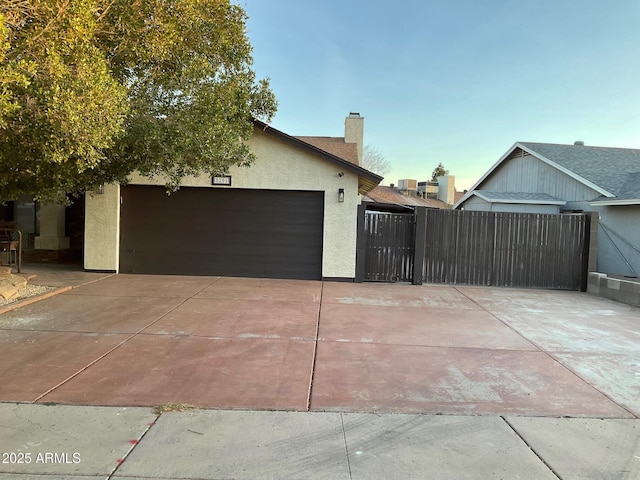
x=206, y=231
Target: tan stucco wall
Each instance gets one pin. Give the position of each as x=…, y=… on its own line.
x=102, y=229
x=279, y=166
x=52, y=235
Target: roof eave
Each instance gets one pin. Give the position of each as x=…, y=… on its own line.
x=615, y=202
x=531, y=201
x=470, y=192
x=389, y=204
x=366, y=180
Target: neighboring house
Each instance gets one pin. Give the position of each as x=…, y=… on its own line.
x=409, y=193
x=292, y=214
x=389, y=198
x=550, y=178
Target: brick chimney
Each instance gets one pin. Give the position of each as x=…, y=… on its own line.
x=354, y=132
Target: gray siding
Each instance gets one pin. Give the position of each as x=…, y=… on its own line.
x=529, y=174
x=619, y=240
x=525, y=208
x=477, y=204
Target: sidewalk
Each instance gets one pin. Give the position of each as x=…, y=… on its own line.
x=75, y=442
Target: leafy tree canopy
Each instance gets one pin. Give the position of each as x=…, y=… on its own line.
x=92, y=90
x=439, y=171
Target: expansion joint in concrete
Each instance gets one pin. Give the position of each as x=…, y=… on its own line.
x=533, y=450
x=315, y=349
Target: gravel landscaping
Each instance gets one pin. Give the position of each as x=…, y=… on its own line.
x=28, y=291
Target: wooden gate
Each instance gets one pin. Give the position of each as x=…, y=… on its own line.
x=389, y=247
x=474, y=248
x=506, y=249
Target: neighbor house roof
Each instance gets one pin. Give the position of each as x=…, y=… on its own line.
x=390, y=196
x=612, y=172
x=518, y=197
x=366, y=179
x=628, y=194
x=608, y=168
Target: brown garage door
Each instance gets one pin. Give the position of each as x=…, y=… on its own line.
x=229, y=232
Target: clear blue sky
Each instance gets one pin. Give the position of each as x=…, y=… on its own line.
x=452, y=81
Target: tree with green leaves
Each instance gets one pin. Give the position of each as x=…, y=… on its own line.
x=92, y=90
x=439, y=171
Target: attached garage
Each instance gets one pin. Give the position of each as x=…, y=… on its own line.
x=292, y=214
x=228, y=232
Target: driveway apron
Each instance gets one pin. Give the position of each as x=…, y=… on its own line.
x=142, y=340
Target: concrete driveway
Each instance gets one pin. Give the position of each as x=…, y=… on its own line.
x=238, y=343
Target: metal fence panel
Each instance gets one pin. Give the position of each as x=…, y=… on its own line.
x=389, y=247
x=506, y=249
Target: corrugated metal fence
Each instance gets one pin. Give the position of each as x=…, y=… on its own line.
x=475, y=248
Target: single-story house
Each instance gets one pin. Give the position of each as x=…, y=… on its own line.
x=292, y=214
x=551, y=178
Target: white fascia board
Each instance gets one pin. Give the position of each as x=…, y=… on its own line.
x=613, y=202
x=568, y=172
x=487, y=173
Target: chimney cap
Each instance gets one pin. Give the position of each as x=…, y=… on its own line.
x=579, y=142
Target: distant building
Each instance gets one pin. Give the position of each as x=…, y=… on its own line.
x=410, y=193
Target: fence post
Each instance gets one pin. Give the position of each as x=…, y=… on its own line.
x=592, y=223
x=419, y=241
x=361, y=244
x=592, y=241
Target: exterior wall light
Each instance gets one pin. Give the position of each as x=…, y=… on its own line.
x=341, y=195
x=100, y=189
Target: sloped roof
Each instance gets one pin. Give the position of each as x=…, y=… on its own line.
x=606, y=167
x=609, y=171
x=390, y=196
x=334, y=145
x=631, y=188
x=366, y=179
x=629, y=193
x=518, y=197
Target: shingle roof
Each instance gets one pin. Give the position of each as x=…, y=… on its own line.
x=631, y=188
x=389, y=195
x=334, y=145
x=608, y=168
x=518, y=197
